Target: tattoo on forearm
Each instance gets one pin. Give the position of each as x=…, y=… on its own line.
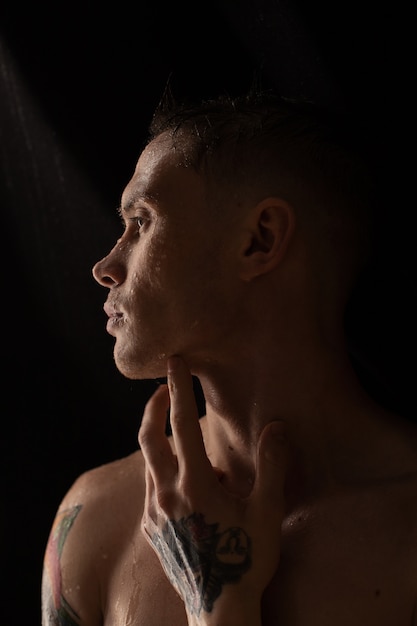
x=56, y=610
x=199, y=560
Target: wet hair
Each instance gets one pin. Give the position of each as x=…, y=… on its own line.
x=260, y=145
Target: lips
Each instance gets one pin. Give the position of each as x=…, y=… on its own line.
x=115, y=320
x=111, y=311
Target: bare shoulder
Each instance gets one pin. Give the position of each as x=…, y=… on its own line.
x=111, y=480
x=94, y=520
x=396, y=489
x=400, y=512
x=107, y=498
x=392, y=500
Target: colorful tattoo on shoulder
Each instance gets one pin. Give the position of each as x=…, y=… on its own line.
x=199, y=560
x=56, y=610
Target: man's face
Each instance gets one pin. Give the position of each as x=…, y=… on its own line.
x=168, y=274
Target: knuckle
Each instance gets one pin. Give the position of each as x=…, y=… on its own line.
x=145, y=436
x=186, y=487
x=165, y=500
x=184, y=484
x=176, y=421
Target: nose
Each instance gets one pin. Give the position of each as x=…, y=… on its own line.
x=110, y=271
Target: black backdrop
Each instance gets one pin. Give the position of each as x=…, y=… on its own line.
x=78, y=83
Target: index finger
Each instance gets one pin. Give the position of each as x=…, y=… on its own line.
x=186, y=431
x=153, y=442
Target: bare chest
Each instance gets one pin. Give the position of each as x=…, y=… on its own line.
x=344, y=572
x=348, y=567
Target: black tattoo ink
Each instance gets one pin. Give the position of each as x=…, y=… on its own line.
x=199, y=560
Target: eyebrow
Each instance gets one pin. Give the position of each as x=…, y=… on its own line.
x=133, y=200
x=121, y=213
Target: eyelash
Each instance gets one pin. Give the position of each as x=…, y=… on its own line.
x=135, y=220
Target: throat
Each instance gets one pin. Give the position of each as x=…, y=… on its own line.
x=233, y=459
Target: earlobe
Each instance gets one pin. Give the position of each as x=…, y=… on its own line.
x=268, y=233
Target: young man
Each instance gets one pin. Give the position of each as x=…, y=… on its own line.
x=292, y=501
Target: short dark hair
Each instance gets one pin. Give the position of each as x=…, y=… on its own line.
x=261, y=143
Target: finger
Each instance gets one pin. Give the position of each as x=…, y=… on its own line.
x=272, y=461
x=186, y=431
x=150, y=514
x=153, y=441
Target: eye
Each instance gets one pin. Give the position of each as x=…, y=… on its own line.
x=138, y=221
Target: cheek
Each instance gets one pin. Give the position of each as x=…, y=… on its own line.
x=146, y=267
x=149, y=295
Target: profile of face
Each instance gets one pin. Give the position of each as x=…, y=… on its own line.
x=167, y=275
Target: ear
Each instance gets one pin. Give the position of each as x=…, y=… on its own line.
x=268, y=232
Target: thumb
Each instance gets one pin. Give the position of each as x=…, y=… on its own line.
x=271, y=466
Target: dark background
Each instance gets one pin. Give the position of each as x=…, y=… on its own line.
x=78, y=84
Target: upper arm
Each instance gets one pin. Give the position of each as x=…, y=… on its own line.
x=70, y=589
x=88, y=537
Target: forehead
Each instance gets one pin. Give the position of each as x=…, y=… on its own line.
x=162, y=179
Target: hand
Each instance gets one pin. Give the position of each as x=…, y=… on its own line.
x=218, y=550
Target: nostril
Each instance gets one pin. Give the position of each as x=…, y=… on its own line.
x=107, y=281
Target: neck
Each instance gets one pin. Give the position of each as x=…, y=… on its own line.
x=315, y=392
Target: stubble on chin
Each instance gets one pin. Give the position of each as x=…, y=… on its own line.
x=138, y=366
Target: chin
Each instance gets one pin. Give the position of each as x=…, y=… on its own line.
x=141, y=369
